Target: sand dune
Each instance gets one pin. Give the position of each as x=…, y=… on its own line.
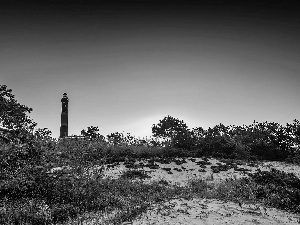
x=197, y=210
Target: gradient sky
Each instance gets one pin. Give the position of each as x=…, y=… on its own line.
x=125, y=65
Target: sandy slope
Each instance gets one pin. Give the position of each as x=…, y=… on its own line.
x=204, y=211
x=192, y=171
x=210, y=211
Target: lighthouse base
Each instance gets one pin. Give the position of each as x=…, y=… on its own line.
x=63, y=131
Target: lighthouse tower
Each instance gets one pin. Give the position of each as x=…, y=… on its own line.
x=64, y=116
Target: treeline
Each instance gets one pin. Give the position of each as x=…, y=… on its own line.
x=259, y=140
x=266, y=140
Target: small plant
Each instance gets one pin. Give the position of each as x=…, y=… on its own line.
x=199, y=187
x=132, y=174
x=210, y=177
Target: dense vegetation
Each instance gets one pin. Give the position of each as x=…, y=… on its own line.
x=31, y=193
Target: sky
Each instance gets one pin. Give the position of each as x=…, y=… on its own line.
x=126, y=65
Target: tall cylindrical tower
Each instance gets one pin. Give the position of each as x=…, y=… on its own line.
x=64, y=116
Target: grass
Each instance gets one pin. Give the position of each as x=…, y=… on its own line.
x=29, y=194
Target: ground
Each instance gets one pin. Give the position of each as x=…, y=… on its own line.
x=198, y=210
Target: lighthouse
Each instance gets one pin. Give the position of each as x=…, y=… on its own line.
x=64, y=116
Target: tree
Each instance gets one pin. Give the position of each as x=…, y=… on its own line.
x=116, y=138
x=174, y=129
x=14, y=116
x=91, y=132
x=29, y=147
x=198, y=135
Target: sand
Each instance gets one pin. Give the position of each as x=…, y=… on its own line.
x=198, y=210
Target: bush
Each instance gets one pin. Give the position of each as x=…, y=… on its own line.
x=278, y=189
x=294, y=159
x=132, y=174
x=171, y=152
x=276, y=177
x=25, y=211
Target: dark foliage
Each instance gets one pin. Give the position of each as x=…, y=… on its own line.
x=280, y=189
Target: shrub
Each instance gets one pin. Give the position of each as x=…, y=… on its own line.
x=278, y=189
x=294, y=158
x=235, y=190
x=132, y=174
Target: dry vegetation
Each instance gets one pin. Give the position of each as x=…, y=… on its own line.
x=33, y=194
